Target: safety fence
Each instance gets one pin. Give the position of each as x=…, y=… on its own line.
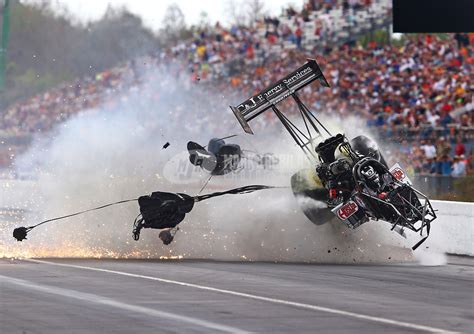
x=434, y=185
x=426, y=132
x=445, y=187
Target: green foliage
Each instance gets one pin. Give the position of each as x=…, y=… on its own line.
x=46, y=49
x=37, y=82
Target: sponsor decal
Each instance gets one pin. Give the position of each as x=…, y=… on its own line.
x=283, y=86
x=297, y=75
x=347, y=210
x=398, y=173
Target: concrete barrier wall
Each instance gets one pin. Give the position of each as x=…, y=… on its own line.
x=453, y=231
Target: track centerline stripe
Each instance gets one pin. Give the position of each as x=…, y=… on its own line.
x=100, y=300
x=312, y=307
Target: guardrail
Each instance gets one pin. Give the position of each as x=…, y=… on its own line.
x=451, y=131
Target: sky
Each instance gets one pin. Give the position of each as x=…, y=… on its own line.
x=152, y=11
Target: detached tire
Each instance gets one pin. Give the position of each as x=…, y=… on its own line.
x=311, y=196
x=166, y=237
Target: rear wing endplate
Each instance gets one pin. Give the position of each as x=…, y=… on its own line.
x=277, y=92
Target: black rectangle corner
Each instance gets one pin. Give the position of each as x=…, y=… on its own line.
x=433, y=16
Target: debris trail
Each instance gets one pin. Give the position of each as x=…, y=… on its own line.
x=160, y=210
x=20, y=233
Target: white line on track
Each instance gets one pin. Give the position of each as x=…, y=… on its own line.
x=311, y=307
x=96, y=299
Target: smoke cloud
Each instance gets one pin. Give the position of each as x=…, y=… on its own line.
x=115, y=152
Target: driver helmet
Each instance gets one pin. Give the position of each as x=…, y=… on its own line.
x=371, y=176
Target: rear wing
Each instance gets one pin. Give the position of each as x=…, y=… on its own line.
x=277, y=92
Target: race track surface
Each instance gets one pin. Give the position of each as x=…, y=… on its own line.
x=155, y=296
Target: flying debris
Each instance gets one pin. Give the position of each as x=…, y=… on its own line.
x=160, y=210
x=20, y=233
x=349, y=180
x=222, y=158
x=164, y=211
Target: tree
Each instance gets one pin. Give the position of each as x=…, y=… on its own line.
x=235, y=13
x=255, y=10
x=247, y=13
x=47, y=47
x=174, y=24
x=204, y=21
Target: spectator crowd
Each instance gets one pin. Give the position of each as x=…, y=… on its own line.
x=416, y=93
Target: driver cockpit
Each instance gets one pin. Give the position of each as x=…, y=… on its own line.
x=335, y=170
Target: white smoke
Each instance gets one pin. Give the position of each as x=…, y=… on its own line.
x=115, y=152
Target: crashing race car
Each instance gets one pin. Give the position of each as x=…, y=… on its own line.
x=350, y=179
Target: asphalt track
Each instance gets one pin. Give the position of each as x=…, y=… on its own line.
x=155, y=296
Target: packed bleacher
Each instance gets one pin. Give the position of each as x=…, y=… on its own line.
x=416, y=93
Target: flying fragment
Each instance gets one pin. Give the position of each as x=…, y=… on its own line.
x=220, y=158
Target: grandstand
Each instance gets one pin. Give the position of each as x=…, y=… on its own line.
x=331, y=25
x=418, y=89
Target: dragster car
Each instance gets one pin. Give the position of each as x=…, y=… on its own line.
x=349, y=179
x=222, y=158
